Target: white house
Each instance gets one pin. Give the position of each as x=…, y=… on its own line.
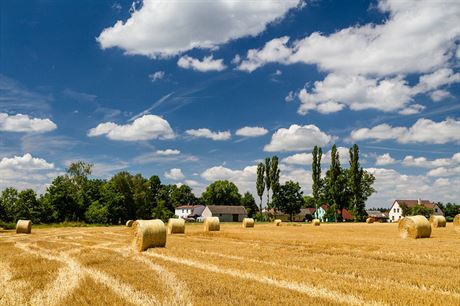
x=396, y=211
x=183, y=211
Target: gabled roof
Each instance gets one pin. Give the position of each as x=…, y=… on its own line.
x=376, y=214
x=346, y=214
x=185, y=207
x=412, y=203
x=227, y=209
x=308, y=210
x=198, y=210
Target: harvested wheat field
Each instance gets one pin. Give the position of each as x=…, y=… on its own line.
x=288, y=265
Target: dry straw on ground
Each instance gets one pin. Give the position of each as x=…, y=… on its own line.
x=370, y=220
x=176, y=226
x=211, y=224
x=316, y=222
x=437, y=221
x=24, y=227
x=278, y=222
x=457, y=223
x=149, y=234
x=248, y=222
x=414, y=227
x=129, y=223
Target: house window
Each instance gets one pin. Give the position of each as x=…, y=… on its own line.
x=398, y=209
x=394, y=209
x=392, y=218
x=436, y=210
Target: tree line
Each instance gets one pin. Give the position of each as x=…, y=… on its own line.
x=75, y=196
x=340, y=187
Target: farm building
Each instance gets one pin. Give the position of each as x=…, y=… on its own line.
x=226, y=213
x=321, y=212
x=396, y=211
x=184, y=211
x=377, y=215
x=304, y=214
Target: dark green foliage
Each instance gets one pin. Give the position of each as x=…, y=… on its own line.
x=268, y=182
x=289, y=199
x=221, y=193
x=250, y=204
x=97, y=213
x=260, y=182
x=416, y=210
x=449, y=209
x=161, y=212
x=316, y=176
x=309, y=201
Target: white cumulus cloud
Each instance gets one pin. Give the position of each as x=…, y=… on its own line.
x=418, y=37
x=168, y=152
x=144, y=128
x=249, y=131
x=205, y=65
x=174, y=174
x=156, y=76
x=424, y=131
x=297, y=138
x=207, y=133
x=385, y=159
x=166, y=28
x=423, y=162
x=24, y=123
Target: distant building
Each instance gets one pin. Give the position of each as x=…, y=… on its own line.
x=225, y=213
x=304, y=214
x=184, y=211
x=377, y=215
x=320, y=212
x=396, y=211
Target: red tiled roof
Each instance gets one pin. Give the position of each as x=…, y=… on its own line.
x=186, y=207
x=346, y=214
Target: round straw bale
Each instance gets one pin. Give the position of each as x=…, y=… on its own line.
x=24, y=227
x=129, y=223
x=316, y=222
x=211, y=224
x=278, y=222
x=370, y=220
x=176, y=226
x=457, y=223
x=149, y=234
x=414, y=227
x=248, y=222
x=437, y=221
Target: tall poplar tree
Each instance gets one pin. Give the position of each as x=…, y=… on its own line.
x=260, y=182
x=334, y=181
x=316, y=175
x=274, y=179
x=355, y=179
x=268, y=182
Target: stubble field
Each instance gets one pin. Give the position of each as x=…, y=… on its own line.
x=266, y=265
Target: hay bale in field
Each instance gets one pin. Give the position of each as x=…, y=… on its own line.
x=248, y=222
x=316, y=222
x=278, y=222
x=457, y=223
x=149, y=234
x=370, y=220
x=24, y=227
x=129, y=223
x=414, y=227
x=211, y=224
x=176, y=226
x=437, y=221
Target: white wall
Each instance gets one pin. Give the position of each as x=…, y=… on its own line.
x=396, y=212
x=183, y=212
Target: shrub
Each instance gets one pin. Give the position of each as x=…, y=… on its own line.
x=97, y=213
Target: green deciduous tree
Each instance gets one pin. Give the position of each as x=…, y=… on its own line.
x=274, y=179
x=316, y=175
x=268, y=182
x=289, y=199
x=260, y=182
x=221, y=193
x=250, y=204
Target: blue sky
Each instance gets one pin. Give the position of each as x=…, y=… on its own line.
x=195, y=91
